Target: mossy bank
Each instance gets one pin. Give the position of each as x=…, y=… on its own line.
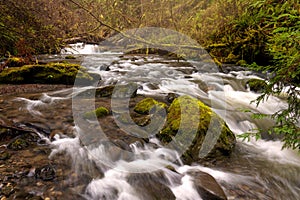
x=51, y=73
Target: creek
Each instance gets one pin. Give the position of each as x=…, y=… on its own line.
x=255, y=169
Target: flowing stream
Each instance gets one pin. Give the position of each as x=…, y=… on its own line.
x=255, y=170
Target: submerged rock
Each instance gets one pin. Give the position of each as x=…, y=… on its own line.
x=195, y=130
x=18, y=144
x=52, y=73
x=117, y=91
x=46, y=173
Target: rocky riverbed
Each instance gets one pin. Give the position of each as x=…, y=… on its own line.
x=27, y=172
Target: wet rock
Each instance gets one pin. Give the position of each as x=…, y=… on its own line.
x=171, y=97
x=117, y=91
x=22, y=195
x=125, y=91
x=6, y=189
x=104, y=91
x=56, y=194
x=70, y=57
x=151, y=186
x=4, y=155
x=152, y=86
x=199, y=132
x=18, y=144
x=207, y=186
x=43, y=128
x=35, y=198
x=46, y=173
x=104, y=67
x=202, y=85
x=7, y=134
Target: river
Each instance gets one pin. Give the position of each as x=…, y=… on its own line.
x=255, y=169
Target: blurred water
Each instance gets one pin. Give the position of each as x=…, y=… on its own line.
x=255, y=170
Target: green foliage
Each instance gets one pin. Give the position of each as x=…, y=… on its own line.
x=248, y=135
x=22, y=32
x=267, y=35
x=283, y=47
x=256, y=85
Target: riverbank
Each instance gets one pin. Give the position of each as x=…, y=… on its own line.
x=11, y=89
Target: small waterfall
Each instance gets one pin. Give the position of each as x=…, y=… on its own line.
x=120, y=175
x=80, y=48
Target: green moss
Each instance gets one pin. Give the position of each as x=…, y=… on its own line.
x=256, y=85
x=188, y=121
x=231, y=58
x=148, y=105
x=99, y=112
x=242, y=62
x=52, y=73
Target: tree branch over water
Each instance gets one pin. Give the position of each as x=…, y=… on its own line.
x=139, y=39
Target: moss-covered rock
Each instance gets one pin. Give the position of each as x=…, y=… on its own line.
x=15, y=62
x=198, y=131
x=51, y=73
x=256, y=85
x=99, y=112
x=18, y=144
x=147, y=105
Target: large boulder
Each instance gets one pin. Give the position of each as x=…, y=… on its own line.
x=51, y=73
x=195, y=130
x=207, y=186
